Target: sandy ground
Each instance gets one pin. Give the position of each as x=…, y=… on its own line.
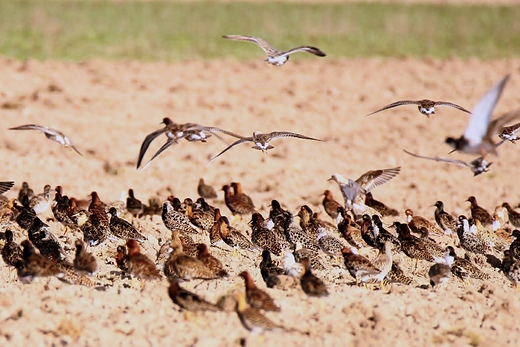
x=107, y=108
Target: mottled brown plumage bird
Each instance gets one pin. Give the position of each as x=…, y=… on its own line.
x=257, y=298
x=84, y=263
x=331, y=206
x=514, y=217
x=264, y=238
x=380, y=207
x=187, y=300
x=180, y=265
x=462, y=267
x=233, y=237
x=312, y=285
x=418, y=248
x=34, y=264
x=138, y=264
x=349, y=230
x=96, y=207
x=200, y=218
x=176, y=220
x=359, y=267
x=252, y=319
x=133, y=205
x=210, y=261
x=269, y=270
x=237, y=204
x=122, y=228
x=416, y=223
x=479, y=213
x=446, y=221
x=94, y=233
x=206, y=191
x=11, y=252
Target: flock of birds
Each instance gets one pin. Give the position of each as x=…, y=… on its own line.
x=300, y=249
x=292, y=252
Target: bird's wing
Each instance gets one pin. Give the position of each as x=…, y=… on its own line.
x=309, y=49
x=146, y=143
x=267, y=48
x=5, y=186
x=41, y=128
x=446, y=160
x=167, y=144
x=450, y=104
x=496, y=125
x=479, y=121
x=371, y=179
x=279, y=134
x=395, y=104
x=237, y=142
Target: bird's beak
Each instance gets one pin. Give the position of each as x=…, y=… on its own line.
x=453, y=150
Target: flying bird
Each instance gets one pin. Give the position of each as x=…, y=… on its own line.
x=426, y=107
x=477, y=138
x=354, y=192
x=274, y=56
x=5, y=186
x=174, y=132
x=52, y=134
x=261, y=141
x=477, y=166
x=509, y=133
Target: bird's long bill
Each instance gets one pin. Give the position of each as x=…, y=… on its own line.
x=453, y=150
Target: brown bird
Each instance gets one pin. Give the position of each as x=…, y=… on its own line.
x=418, y=248
x=269, y=270
x=214, y=233
x=446, y=221
x=138, y=264
x=180, y=265
x=96, y=207
x=26, y=190
x=416, y=223
x=379, y=206
x=34, y=264
x=331, y=206
x=349, y=230
x=233, y=237
x=463, y=267
x=257, y=298
x=252, y=319
x=264, y=238
x=479, y=213
x=122, y=258
x=122, y=228
x=94, y=233
x=514, y=217
x=514, y=248
x=206, y=191
x=84, y=263
x=358, y=266
x=133, y=205
x=238, y=204
x=188, y=300
x=210, y=261
x=312, y=285
x=200, y=218
x=11, y=252
x=176, y=220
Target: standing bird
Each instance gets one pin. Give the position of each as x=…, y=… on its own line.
x=252, y=319
x=176, y=220
x=331, y=206
x=11, y=252
x=43, y=239
x=440, y=272
x=94, y=233
x=354, y=192
x=26, y=190
x=261, y=141
x=50, y=133
x=84, y=263
x=34, y=264
x=349, y=230
x=511, y=268
x=96, y=207
x=380, y=207
x=122, y=228
x=270, y=271
x=274, y=56
x=477, y=138
x=425, y=106
x=446, y=221
x=179, y=265
x=264, y=238
x=469, y=239
x=233, y=237
x=133, y=205
x=187, y=300
x=257, y=298
x=138, y=264
x=206, y=191
x=39, y=203
x=418, y=248
x=514, y=217
x=210, y=261
x=416, y=223
x=237, y=204
x=463, y=267
x=358, y=266
x=479, y=213
x=311, y=285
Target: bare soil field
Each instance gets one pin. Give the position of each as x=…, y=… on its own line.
x=107, y=109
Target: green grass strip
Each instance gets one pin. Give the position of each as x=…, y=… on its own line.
x=178, y=31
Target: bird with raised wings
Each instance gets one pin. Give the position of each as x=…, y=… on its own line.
x=175, y=132
x=261, y=141
x=426, y=107
x=354, y=192
x=274, y=56
x=51, y=134
x=477, y=166
x=477, y=138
